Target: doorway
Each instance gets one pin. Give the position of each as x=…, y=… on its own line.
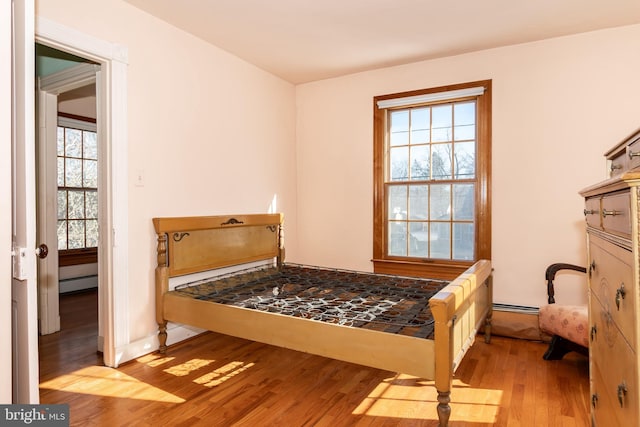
x=68, y=170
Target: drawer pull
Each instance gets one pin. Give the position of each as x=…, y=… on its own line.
x=592, y=267
x=622, y=392
x=620, y=294
x=590, y=212
x=612, y=213
x=614, y=167
x=633, y=154
x=594, y=399
x=593, y=333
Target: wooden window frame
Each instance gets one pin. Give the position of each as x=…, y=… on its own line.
x=426, y=267
x=68, y=257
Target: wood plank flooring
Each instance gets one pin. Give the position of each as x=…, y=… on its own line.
x=216, y=380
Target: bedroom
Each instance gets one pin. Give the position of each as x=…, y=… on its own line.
x=557, y=103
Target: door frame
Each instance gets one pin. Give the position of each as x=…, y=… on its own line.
x=48, y=89
x=113, y=263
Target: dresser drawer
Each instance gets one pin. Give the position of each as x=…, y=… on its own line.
x=611, y=280
x=592, y=212
x=605, y=408
x=616, y=209
x=617, y=364
x=633, y=155
x=618, y=164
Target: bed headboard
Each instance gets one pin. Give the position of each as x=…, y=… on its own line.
x=193, y=244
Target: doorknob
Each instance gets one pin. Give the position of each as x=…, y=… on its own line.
x=42, y=251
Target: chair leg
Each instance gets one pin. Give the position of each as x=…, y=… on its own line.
x=559, y=346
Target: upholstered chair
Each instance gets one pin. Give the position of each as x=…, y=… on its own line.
x=568, y=325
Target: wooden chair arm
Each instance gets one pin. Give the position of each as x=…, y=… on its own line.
x=550, y=275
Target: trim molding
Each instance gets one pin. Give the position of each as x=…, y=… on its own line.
x=111, y=91
x=150, y=343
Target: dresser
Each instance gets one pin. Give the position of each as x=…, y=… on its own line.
x=613, y=240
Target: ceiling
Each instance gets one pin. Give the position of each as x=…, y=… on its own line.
x=307, y=40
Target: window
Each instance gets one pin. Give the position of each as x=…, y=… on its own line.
x=432, y=151
x=77, y=156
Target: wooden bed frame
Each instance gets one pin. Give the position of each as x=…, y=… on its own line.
x=195, y=244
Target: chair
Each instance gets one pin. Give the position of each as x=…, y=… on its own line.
x=567, y=324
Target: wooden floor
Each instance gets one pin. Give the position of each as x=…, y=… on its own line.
x=216, y=380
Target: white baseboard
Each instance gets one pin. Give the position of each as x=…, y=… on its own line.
x=175, y=334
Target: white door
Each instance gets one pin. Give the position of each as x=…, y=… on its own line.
x=24, y=283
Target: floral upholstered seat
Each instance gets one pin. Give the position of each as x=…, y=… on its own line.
x=567, y=324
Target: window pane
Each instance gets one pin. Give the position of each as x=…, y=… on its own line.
x=399, y=138
x=90, y=172
x=60, y=141
x=441, y=161
x=420, y=125
x=463, y=202
x=76, y=204
x=418, y=202
x=92, y=233
x=441, y=123
x=463, y=238
x=76, y=234
x=397, y=238
x=397, y=202
x=465, y=121
x=399, y=164
x=440, y=202
x=90, y=146
x=420, y=162
x=62, y=235
x=60, y=171
x=73, y=146
x=419, y=239
x=465, y=160
x=440, y=240
x=62, y=204
x=399, y=127
x=91, y=204
x=73, y=172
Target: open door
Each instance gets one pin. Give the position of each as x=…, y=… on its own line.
x=24, y=314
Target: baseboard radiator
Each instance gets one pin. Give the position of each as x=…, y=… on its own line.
x=76, y=284
x=517, y=321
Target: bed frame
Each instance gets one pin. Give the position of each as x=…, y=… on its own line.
x=196, y=244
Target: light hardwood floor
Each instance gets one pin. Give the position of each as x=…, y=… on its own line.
x=216, y=380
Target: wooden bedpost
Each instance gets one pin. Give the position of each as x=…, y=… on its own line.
x=162, y=285
x=443, y=314
x=488, y=319
x=280, y=257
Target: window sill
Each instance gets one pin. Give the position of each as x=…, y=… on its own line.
x=429, y=269
x=76, y=257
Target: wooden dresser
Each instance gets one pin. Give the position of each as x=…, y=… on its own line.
x=613, y=240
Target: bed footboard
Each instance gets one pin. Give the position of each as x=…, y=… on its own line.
x=459, y=311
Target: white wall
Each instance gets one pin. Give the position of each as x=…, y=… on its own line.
x=558, y=105
x=210, y=133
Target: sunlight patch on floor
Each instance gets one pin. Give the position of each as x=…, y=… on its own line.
x=397, y=398
x=108, y=382
x=223, y=374
x=154, y=360
x=186, y=368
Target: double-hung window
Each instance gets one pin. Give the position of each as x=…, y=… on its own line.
x=77, y=152
x=432, y=151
